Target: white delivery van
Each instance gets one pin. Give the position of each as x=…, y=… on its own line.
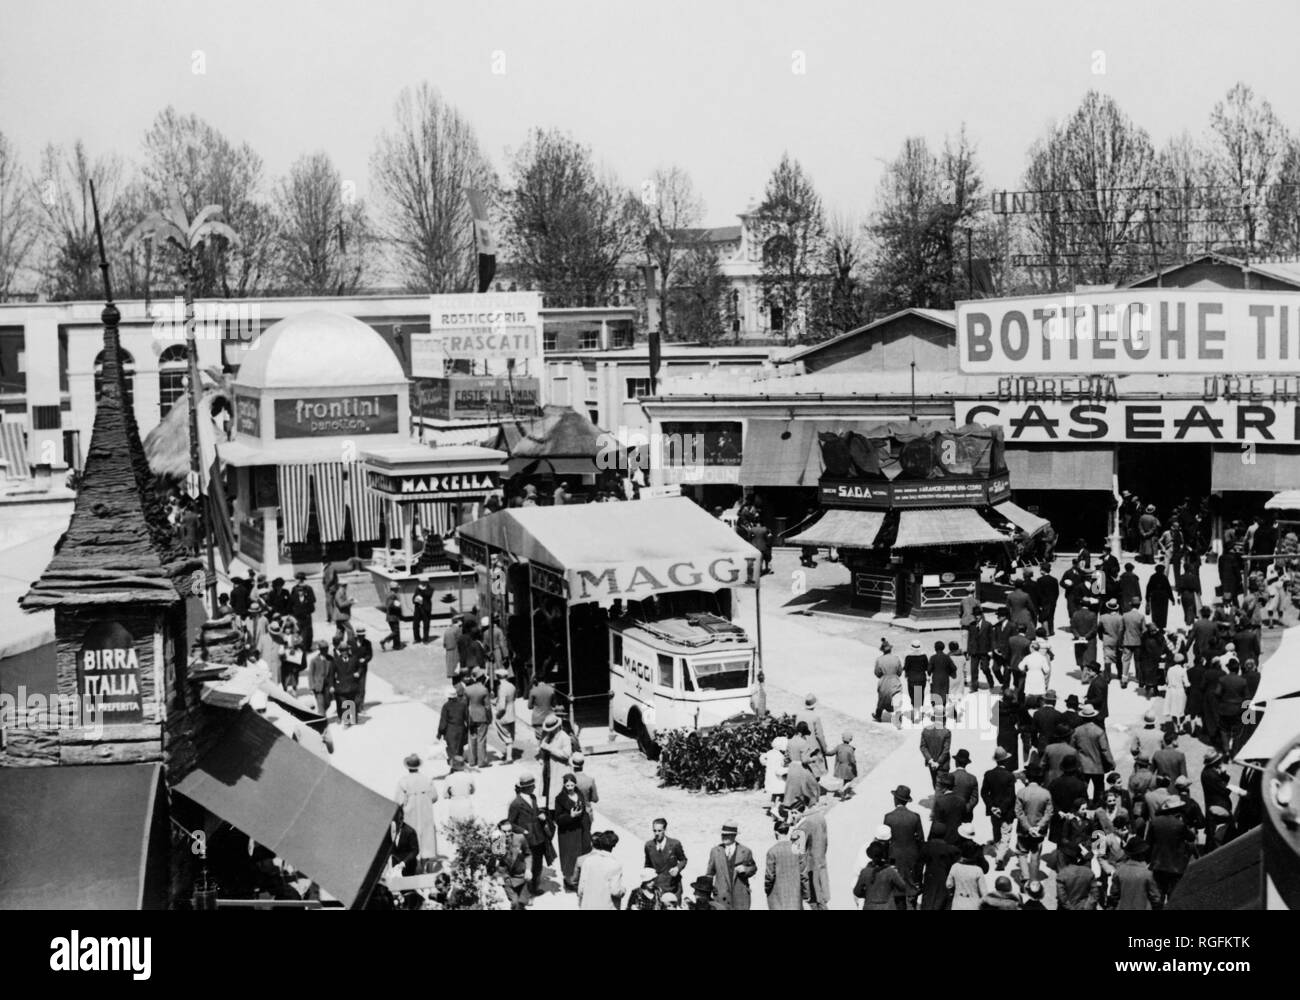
x=690, y=671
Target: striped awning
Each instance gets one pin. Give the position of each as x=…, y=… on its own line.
x=13, y=449
x=331, y=499
x=1030, y=524
x=294, y=482
x=842, y=529
x=944, y=526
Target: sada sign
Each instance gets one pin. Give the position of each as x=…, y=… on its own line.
x=1186, y=421
x=635, y=581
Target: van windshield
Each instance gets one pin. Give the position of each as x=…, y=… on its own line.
x=721, y=675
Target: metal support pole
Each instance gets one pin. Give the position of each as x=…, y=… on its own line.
x=758, y=617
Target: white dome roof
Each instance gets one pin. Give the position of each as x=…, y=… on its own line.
x=319, y=349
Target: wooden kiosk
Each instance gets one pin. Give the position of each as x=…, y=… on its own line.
x=915, y=509
x=438, y=490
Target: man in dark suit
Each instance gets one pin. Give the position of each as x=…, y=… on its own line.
x=1017, y=649
x=453, y=723
x=403, y=845
x=906, y=838
x=665, y=856
x=1130, y=587
x=422, y=610
x=1046, y=594
x=1045, y=721
x=1098, y=696
x=965, y=784
x=1021, y=609
x=1002, y=631
x=979, y=646
x=1171, y=842
x=479, y=716
x=949, y=808
x=302, y=605
x=998, y=792
x=527, y=820
x=936, y=743
x=731, y=866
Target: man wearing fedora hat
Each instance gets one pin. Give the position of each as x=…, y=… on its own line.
x=504, y=712
x=453, y=723
x=1133, y=885
x=1171, y=840
x=1093, y=747
x=421, y=610
x=1111, y=628
x=731, y=866
x=703, y=889
x=479, y=714
x=529, y=820
x=964, y=783
x=302, y=605
x=998, y=792
x=936, y=744
x=906, y=838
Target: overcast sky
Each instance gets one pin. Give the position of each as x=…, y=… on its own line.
x=707, y=84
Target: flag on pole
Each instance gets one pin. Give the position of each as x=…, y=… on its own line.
x=484, y=239
x=216, y=509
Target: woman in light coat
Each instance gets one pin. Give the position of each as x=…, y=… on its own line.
x=773, y=762
x=416, y=794
x=1176, y=685
x=966, y=883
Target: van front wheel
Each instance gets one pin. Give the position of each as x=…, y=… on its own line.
x=643, y=740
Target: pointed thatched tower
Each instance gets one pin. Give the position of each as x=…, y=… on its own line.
x=116, y=585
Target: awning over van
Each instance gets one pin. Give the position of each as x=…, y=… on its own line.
x=626, y=550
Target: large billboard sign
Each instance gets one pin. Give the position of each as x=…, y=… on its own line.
x=1171, y=420
x=1140, y=331
x=494, y=326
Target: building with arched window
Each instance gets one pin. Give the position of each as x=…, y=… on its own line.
x=128, y=374
x=172, y=372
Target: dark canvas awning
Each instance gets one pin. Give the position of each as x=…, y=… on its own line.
x=770, y=459
x=1228, y=878
x=944, y=526
x=1268, y=470
x=560, y=466
x=1077, y=467
x=842, y=529
x=1030, y=524
x=93, y=837
x=327, y=825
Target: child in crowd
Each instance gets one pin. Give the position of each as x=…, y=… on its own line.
x=846, y=766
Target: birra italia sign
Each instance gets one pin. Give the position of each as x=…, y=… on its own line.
x=108, y=674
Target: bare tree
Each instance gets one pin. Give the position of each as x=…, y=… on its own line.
x=671, y=208
x=19, y=222
x=421, y=170
x=1183, y=177
x=1248, y=147
x=70, y=264
x=846, y=305
x=1093, y=179
x=924, y=201
x=187, y=158
x=570, y=227
x=791, y=227
x=322, y=230
x=1284, y=203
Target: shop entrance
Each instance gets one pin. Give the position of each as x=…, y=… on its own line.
x=1165, y=474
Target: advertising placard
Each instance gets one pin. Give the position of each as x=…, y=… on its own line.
x=1186, y=421
x=108, y=674
x=248, y=416
x=1139, y=331
x=492, y=326
x=328, y=416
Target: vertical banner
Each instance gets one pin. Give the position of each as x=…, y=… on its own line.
x=484, y=239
